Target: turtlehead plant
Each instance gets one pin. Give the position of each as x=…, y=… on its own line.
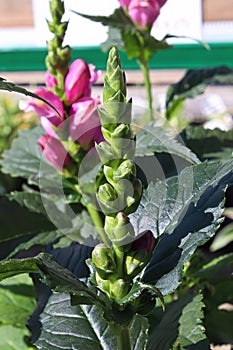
x=109, y=253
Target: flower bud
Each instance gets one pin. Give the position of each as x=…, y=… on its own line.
x=119, y=230
x=119, y=289
x=103, y=260
x=145, y=12
x=139, y=254
x=77, y=80
x=124, y=3
x=108, y=199
x=126, y=170
x=132, y=202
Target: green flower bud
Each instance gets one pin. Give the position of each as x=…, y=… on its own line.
x=108, y=199
x=119, y=289
x=108, y=121
x=57, y=10
x=126, y=170
x=108, y=155
x=133, y=201
x=119, y=230
x=103, y=283
x=139, y=254
x=103, y=260
x=114, y=83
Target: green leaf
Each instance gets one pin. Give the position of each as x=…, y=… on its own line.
x=117, y=20
x=152, y=140
x=137, y=289
x=41, y=239
x=11, y=87
x=62, y=280
x=163, y=335
x=181, y=323
x=31, y=200
x=212, y=144
x=76, y=327
x=191, y=329
x=194, y=83
x=12, y=267
x=24, y=223
x=223, y=238
x=114, y=39
x=24, y=157
x=17, y=300
x=125, y=35
x=214, y=270
x=184, y=211
x=13, y=338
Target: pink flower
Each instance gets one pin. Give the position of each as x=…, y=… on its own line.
x=124, y=3
x=53, y=151
x=49, y=117
x=50, y=80
x=79, y=80
x=161, y=2
x=145, y=241
x=84, y=122
x=144, y=12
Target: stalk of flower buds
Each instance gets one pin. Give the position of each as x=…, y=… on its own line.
x=117, y=264
x=58, y=58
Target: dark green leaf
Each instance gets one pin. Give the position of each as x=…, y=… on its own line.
x=184, y=211
x=152, y=140
x=137, y=289
x=11, y=87
x=214, y=270
x=209, y=143
x=219, y=326
x=194, y=83
x=31, y=200
x=41, y=239
x=77, y=327
x=24, y=222
x=117, y=20
x=62, y=280
x=163, y=335
x=12, y=267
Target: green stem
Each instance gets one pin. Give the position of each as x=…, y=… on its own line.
x=97, y=221
x=119, y=255
x=145, y=70
x=123, y=338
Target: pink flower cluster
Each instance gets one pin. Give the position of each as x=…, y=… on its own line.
x=143, y=12
x=83, y=123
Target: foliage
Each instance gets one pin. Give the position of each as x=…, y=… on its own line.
x=113, y=261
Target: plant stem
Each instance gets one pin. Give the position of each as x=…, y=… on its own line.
x=145, y=70
x=97, y=221
x=123, y=338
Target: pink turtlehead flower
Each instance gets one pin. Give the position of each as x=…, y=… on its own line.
x=53, y=151
x=145, y=241
x=144, y=12
x=124, y=3
x=79, y=80
x=50, y=120
x=84, y=122
x=161, y=2
x=50, y=80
